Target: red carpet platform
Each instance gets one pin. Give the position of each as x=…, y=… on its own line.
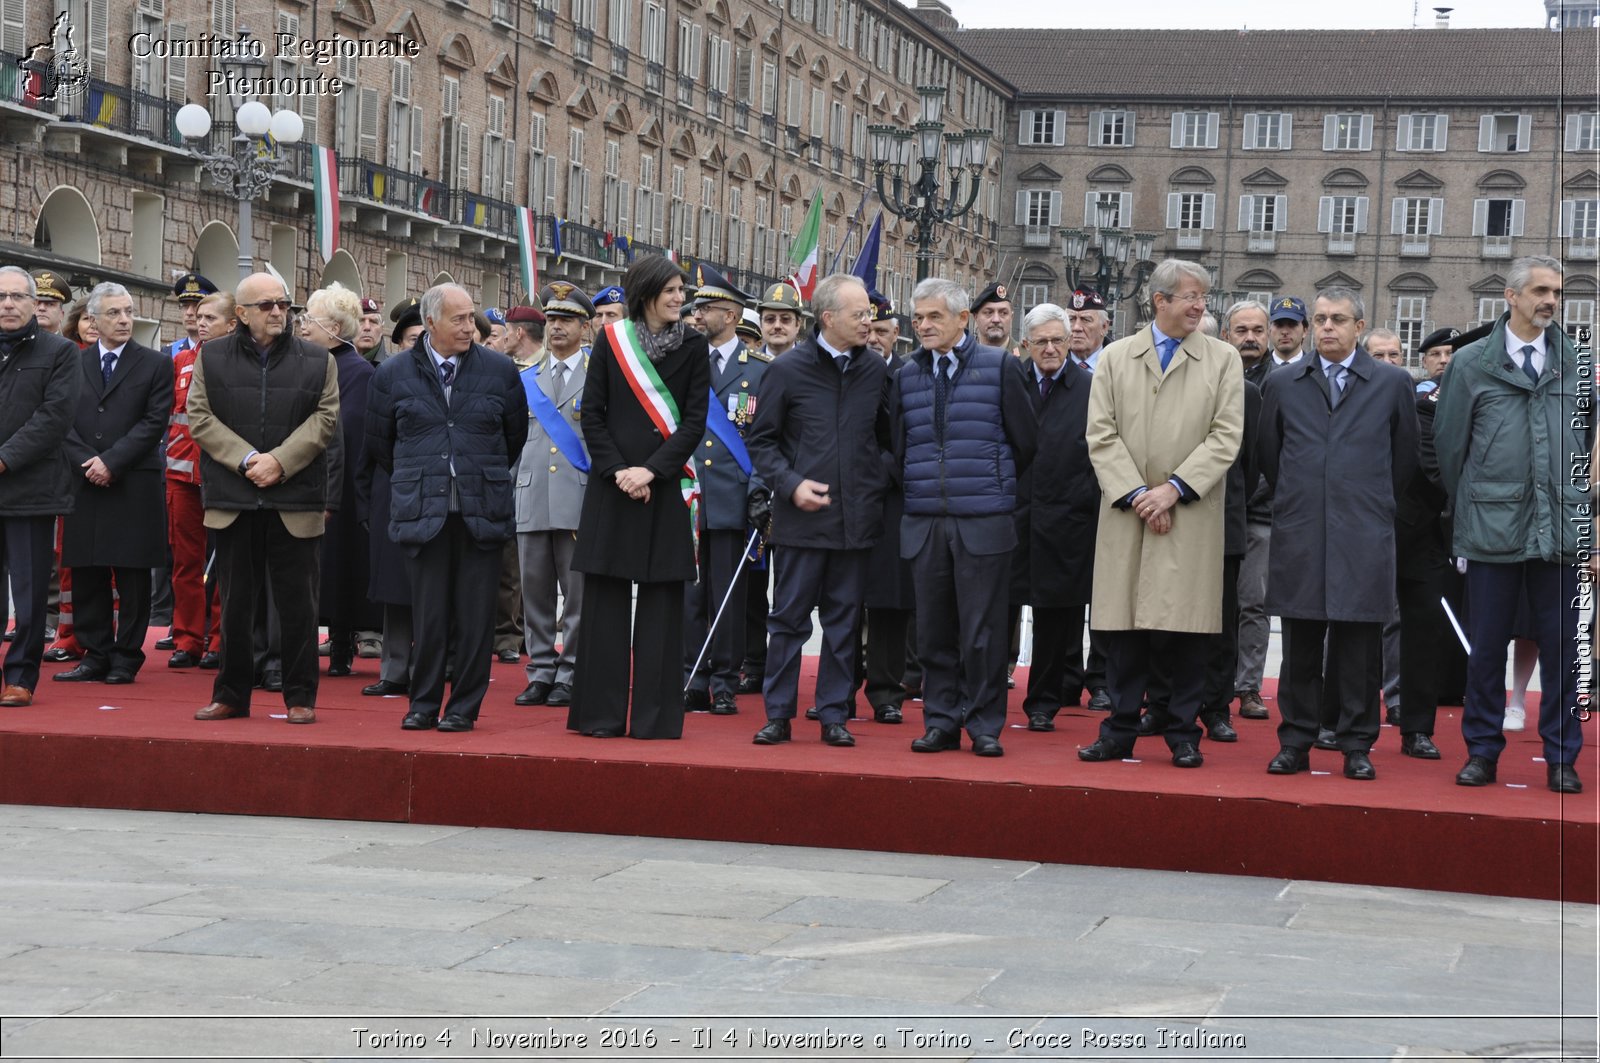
x=138, y=747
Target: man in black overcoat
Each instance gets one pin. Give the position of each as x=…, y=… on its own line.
x=118, y=530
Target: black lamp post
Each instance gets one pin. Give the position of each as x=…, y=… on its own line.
x=919, y=201
x=1113, y=261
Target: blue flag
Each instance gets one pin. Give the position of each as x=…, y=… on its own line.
x=555, y=237
x=866, y=266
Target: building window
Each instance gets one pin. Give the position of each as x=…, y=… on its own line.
x=1582, y=132
x=1421, y=132
x=1580, y=227
x=1119, y=203
x=1577, y=317
x=1498, y=221
x=654, y=45
x=1194, y=129
x=1191, y=214
x=1347, y=132
x=1500, y=133
x=1038, y=212
x=545, y=21
x=1411, y=320
x=1033, y=295
x=583, y=18
x=1490, y=309
x=1342, y=218
x=1111, y=129
x=1267, y=131
x=1263, y=217
x=1414, y=220
x=1042, y=127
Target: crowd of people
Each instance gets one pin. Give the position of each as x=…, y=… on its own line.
x=651, y=490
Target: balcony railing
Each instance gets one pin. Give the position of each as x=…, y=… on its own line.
x=714, y=98
x=1341, y=243
x=394, y=188
x=123, y=110
x=583, y=43
x=619, y=60
x=20, y=86
x=1583, y=247
x=585, y=241
x=741, y=116
x=1414, y=243
x=1497, y=247
x=1190, y=239
x=769, y=129
x=483, y=212
x=1037, y=235
x=655, y=77
x=1262, y=240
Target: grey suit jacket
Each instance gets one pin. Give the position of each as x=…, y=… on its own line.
x=549, y=489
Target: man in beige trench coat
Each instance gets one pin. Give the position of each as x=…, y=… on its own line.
x=1166, y=418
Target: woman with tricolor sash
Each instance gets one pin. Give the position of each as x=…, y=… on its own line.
x=644, y=412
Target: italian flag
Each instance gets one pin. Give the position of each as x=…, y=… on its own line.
x=803, y=256
x=527, y=249
x=326, y=182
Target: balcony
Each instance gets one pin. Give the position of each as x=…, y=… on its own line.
x=1189, y=239
x=685, y=90
x=858, y=169
x=1341, y=243
x=545, y=25
x=1262, y=241
x=1497, y=247
x=655, y=78
x=484, y=214
x=836, y=160
x=791, y=139
x=1037, y=235
x=1414, y=244
x=714, y=100
x=1583, y=247
x=619, y=60
x=590, y=245
x=741, y=116
x=769, y=129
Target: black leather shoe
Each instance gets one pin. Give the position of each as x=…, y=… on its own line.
x=749, y=684
x=419, y=721
x=1187, y=755
x=183, y=659
x=165, y=644
x=55, y=655
x=508, y=657
x=724, y=705
x=119, y=677
x=1478, y=771
x=774, y=733
x=813, y=714
x=272, y=679
x=1420, y=746
x=836, y=734
x=210, y=661
x=1148, y=725
x=456, y=723
x=696, y=701
x=603, y=732
x=1563, y=779
x=535, y=693
x=1040, y=721
x=987, y=746
x=560, y=695
x=339, y=666
x=887, y=714
x=936, y=741
x=1391, y=715
x=1326, y=739
x=1103, y=749
x=83, y=673
x=1218, y=729
x=385, y=688
x=1357, y=765
x=1288, y=761
x=1099, y=700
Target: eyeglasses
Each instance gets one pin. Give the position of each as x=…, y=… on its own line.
x=1188, y=297
x=1338, y=320
x=15, y=297
x=266, y=306
x=859, y=315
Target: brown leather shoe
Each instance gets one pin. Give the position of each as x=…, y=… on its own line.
x=218, y=711
x=302, y=714
x=16, y=697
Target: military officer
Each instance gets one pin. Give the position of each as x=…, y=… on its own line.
x=551, y=477
x=189, y=289
x=50, y=304
x=727, y=487
x=610, y=304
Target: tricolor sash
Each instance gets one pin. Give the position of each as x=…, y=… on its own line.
x=555, y=426
x=647, y=387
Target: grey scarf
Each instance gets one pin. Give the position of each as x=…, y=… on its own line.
x=657, y=345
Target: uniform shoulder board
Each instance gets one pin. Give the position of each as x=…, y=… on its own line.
x=759, y=355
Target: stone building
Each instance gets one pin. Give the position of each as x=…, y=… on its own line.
x=700, y=126
x=1411, y=165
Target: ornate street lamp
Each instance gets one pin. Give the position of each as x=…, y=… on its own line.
x=919, y=200
x=248, y=169
x=1113, y=261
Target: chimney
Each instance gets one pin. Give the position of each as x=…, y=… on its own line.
x=1442, y=17
x=937, y=15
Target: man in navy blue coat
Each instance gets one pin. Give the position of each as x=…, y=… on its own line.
x=447, y=419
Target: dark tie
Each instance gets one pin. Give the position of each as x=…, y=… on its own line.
x=1086, y=367
x=1168, y=345
x=1336, y=384
x=716, y=362
x=447, y=372
x=941, y=397
x=842, y=361
x=1527, y=363
x=1045, y=384
x=108, y=364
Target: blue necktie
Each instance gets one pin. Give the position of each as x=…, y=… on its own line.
x=1336, y=384
x=108, y=363
x=842, y=361
x=1168, y=346
x=1527, y=363
x=941, y=397
x=447, y=372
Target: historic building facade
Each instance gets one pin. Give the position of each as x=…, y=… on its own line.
x=704, y=127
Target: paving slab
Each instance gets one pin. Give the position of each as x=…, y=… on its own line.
x=120, y=819
x=611, y=895
x=69, y=929
x=348, y=909
x=884, y=976
x=329, y=943
x=638, y=963
x=921, y=916
x=69, y=894
x=687, y=875
x=530, y=864
x=711, y=933
x=106, y=969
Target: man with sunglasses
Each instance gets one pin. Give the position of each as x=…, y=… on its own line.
x=263, y=407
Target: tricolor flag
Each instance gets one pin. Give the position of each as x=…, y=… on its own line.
x=803, y=256
x=326, y=182
x=527, y=251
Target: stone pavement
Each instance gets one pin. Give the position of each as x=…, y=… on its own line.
x=305, y=939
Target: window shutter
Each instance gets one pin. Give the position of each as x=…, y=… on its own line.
x=1280, y=215
x=1208, y=211
x=1174, y=205
x=99, y=36
x=396, y=116
x=1569, y=141
x=463, y=155
x=1177, y=129
x=1361, y=214
x=1441, y=131
x=177, y=65
x=1486, y=133
x=1089, y=213
x=368, y=118
x=1435, y=217
x=1025, y=128
x=1517, y=210
x=1330, y=131
x=1325, y=214
x=1246, y=209
x=1127, y=129
x=1060, y=129
x=1480, y=217
x=1249, y=132
x=416, y=140
x=14, y=28
x=1022, y=207
x=1285, y=131
x=222, y=18
x=1125, y=210
x=1055, y=208
x=1397, y=217
x=1213, y=124
x=1366, y=132
x=1402, y=135
x=1568, y=210
x=508, y=186
x=1094, y=128
x=1524, y=131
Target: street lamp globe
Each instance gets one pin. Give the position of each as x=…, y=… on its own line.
x=193, y=121
x=287, y=127
x=253, y=118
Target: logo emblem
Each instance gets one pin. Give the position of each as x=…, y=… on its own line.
x=63, y=68
x=561, y=289
x=1078, y=300
x=1000, y=291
